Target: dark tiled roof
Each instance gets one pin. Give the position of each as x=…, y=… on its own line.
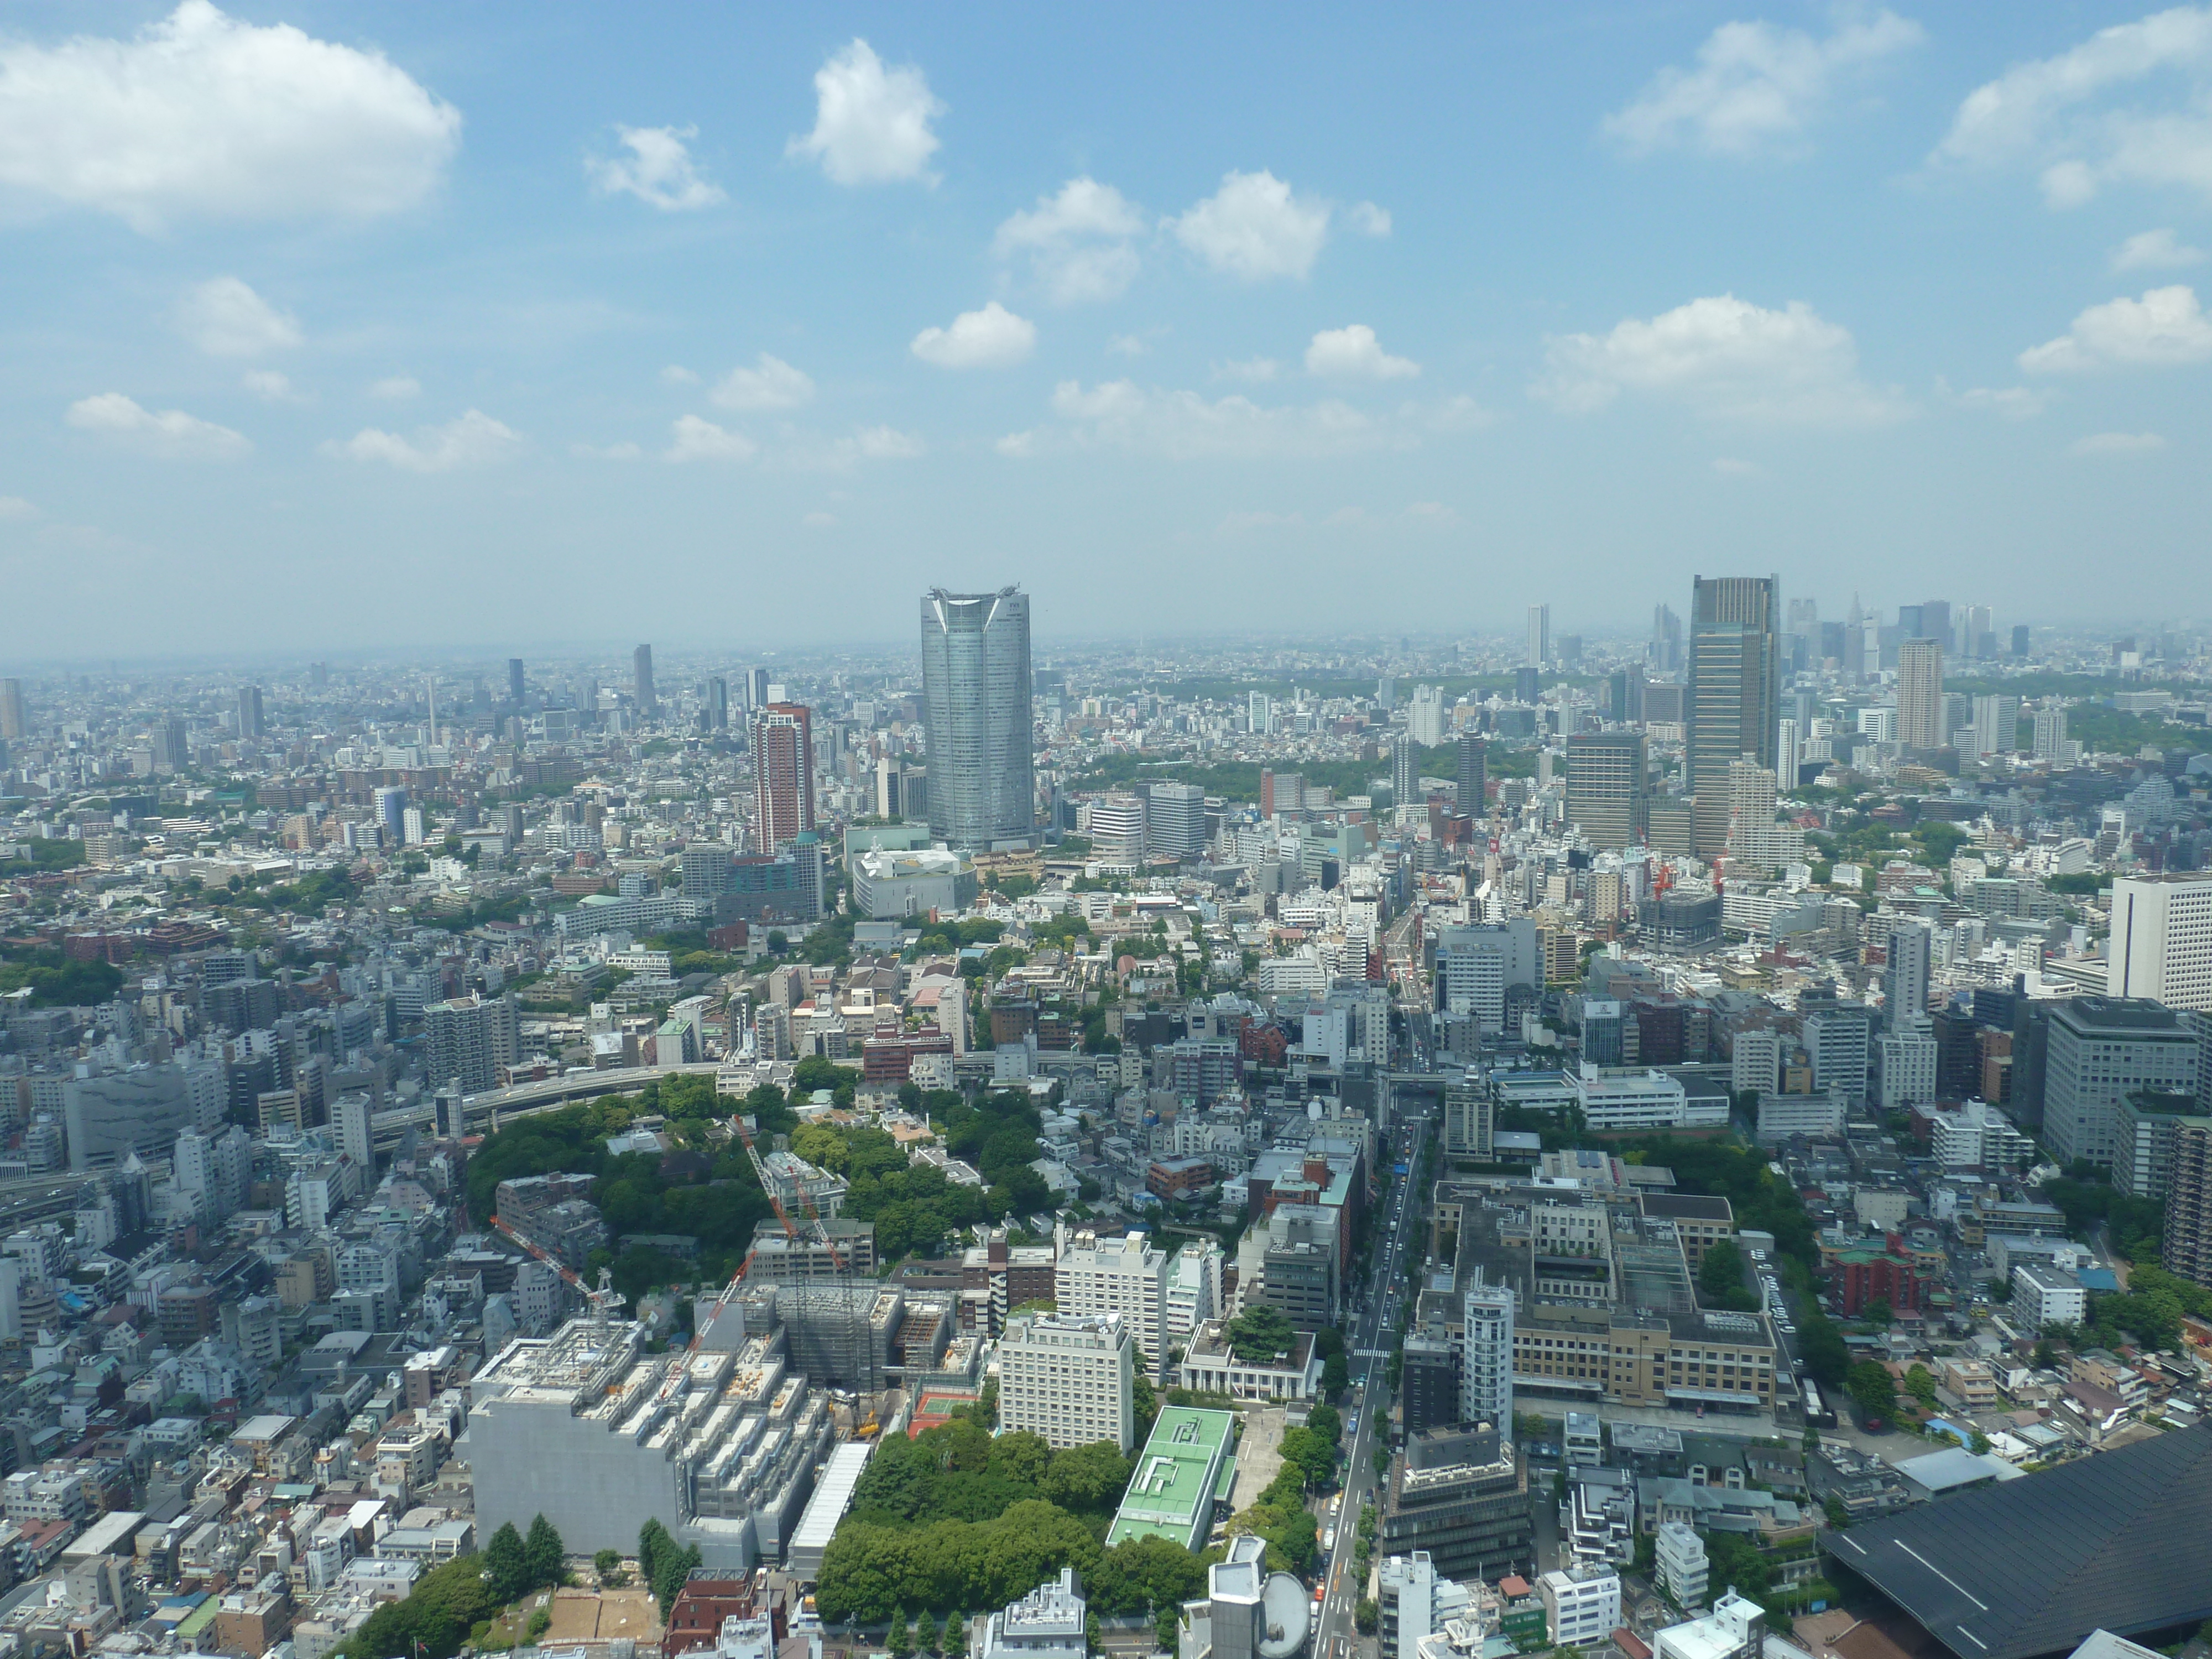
x=2121, y=1541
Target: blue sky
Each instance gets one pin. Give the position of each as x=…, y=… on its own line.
x=347, y=326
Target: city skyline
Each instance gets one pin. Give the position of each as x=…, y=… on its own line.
x=505, y=307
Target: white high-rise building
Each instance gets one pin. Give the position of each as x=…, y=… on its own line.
x=1996, y=725
x=1539, y=635
x=1756, y=1061
x=1194, y=1291
x=350, y=1116
x=1068, y=1377
x=1907, y=1052
x=1174, y=820
x=2049, y=732
x=1116, y=826
x=1581, y=1604
x=213, y=1168
x=1904, y=979
x=1425, y=716
x=1260, y=713
x=1485, y=1390
x=1920, y=694
x=1126, y=1277
x=2161, y=945
x=952, y=1015
x=1684, y=1571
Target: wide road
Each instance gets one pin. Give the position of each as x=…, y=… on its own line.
x=1368, y=1337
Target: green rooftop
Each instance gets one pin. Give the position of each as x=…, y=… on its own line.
x=1185, y=1465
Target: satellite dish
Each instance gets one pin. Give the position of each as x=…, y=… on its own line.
x=1284, y=1613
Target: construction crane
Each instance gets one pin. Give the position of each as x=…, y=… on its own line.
x=603, y=1301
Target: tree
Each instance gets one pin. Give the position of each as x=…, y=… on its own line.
x=1259, y=1334
x=1091, y=1477
x=1093, y=1634
x=900, y=1640
x=1920, y=1383
x=653, y=1542
x=925, y=1633
x=1879, y=1312
x=607, y=1563
x=1978, y=1444
x=1873, y=1388
x=504, y=1561
x=1839, y=1518
x=542, y=1553
x=955, y=1640
x=1720, y=1278
x=1367, y=1615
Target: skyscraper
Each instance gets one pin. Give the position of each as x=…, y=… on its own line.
x=1175, y=820
x=250, y=723
x=783, y=773
x=755, y=689
x=1474, y=767
x=14, y=723
x=2161, y=944
x=648, y=706
x=1605, y=789
x=515, y=682
x=718, y=704
x=1996, y=725
x=1405, y=770
x=975, y=681
x=1539, y=635
x=1904, y=979
x=1485, y=1394
x=1920, y=694
x=1733, y=697
x=1666, y=640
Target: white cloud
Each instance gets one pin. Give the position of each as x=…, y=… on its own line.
x=224, y=318
x=473, y=439
x=2117, y=443
x=1018, y=445
x=658, y=170
x=818, y=521
x=1258, y=371
x=2014, y=403
x=696, y=440
x=1726, y=359
x=871, y=124
x=1353, y=353
x=1370, y=220
x=617, y=452
x=884, y=443
x=396, y=387
x=1254, y=227
x=1128, y=345
x=770, y=384
x=1186, y=425
x=2063, y=113
x=2165, y=327
x=994, y=338
x=1077, y=241
x=1754, y=85
x=14, y=507
x=199, y=116
x=171, y=434
x=269, y=386
x=2155, y=250
x=676, y=375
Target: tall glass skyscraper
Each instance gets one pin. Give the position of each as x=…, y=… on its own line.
x=975, y=678
x=1733, y=703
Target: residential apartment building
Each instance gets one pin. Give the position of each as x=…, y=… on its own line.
x=1125, y=1277
x=1068, y=1377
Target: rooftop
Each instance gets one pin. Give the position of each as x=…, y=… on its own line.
x=1176, y=1476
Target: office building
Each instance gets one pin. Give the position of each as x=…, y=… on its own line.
x=1733, y=695
x=1841, y=1039
x=1905, y=976
x=2188, y=1232
x=1068, y=1377
x=250, y=722
x=1540, y=636
x=1684, y=1571
x=1666, y=640
x=15, y=722
x=1735, y=1629
x=1426, y=715
x=976, y=681
x=648, y=705
x=1405, y=770
x=1907, y=1052
x=2161, y=943
x=514, y=686
x=2097, y=1051
x=1486, y=1354
x=1996, y=725
x=1920, y=694
x=2044, y=1294
x=468, y=1039
x=391, y=808
x=1462, y=1496
x=1581, y=1604
x=1415, y=1603
x=1474, y=756
x=2050, y=733
x=718, y=704
x=1116, y=824
x=1126, y=1277
x=1607, y=787
x=1050, y=1622
x=1186, y=1461
x=783, y=773
x=1174, y=820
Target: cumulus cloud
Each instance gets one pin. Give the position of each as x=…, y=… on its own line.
x=269, y=386
x=1255, y=228
x=696, y=440
x=1077, y=241
x=1754, y=85
x=171, y=434
x=2117, y=443
x=2155, y=250
x=473, y=439
x=14, y=507
x=1186, y=425
x=1257, y=371
x=2014, y=403
x=884, y=443
x=200, y=116
x=224, y=318
x=871, y=124
x=2132, y=104
x=1354, y=354
x=658, y=170
x=396, y=387
x=994, y=338
x=676, y=375
x=2164, y=328
x=1724, y=358
x=770, y=384
x=1370, y=220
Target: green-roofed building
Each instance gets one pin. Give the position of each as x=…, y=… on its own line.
x=1187, y=1466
